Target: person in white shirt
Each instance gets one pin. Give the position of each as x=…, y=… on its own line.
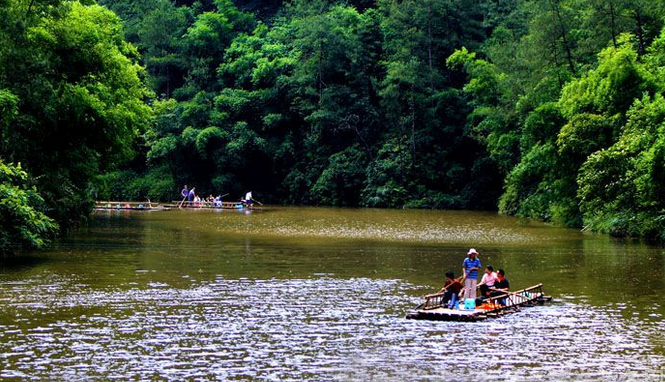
x=487, y=281
x=248, y=199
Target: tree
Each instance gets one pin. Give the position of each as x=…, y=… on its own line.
x=621, y=185
x=423, y=114
x=80, y=99
x=23, y=223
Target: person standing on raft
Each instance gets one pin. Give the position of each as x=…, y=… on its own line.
x=248, y=199
x=470, y=268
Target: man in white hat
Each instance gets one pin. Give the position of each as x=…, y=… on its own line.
x=470, y=268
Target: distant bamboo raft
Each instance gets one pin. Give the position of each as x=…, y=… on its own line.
x=129, y=206
x=212, y=205
x=147, y=206
x=432, y=308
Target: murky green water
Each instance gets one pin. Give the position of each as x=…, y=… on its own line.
x=321, y=294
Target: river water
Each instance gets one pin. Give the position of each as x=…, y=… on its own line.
x=321, y=294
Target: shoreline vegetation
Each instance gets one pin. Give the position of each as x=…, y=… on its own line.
x=551, y=110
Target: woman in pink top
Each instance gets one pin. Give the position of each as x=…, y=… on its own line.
x=487, y=281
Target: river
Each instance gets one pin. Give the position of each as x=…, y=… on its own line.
x=321, y=294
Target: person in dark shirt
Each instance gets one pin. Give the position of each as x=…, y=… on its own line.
x=451, y=290
x=501, y=285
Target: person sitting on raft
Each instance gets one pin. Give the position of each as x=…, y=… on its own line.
x=488, y=280
x=501, y=285
x=218, y=201
x=451, y=290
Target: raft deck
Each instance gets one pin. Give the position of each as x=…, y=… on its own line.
x=211, y=205
x=129, y=206
x=432, y=308
x=140, y=206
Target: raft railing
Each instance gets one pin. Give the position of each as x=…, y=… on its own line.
x=122, y=205
x=502, y=301
x=432, y=301
x=205, y=204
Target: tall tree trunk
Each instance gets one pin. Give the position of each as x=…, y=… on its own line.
x=27, y=13
x=429, y=45
x=320, y=71
x=168, y=82
x=412, y=107
x=555, y=56
x=639, y=32
x=564, y=36
x=613, y=25
x=368, y=149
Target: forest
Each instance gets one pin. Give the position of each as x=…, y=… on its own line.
x=544, y=109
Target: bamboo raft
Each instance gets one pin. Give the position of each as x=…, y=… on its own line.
x=497, y=306
x=140, y=206
x=211, y=205
x=129, y=206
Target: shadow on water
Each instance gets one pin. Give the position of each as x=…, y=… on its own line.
x=21, y=262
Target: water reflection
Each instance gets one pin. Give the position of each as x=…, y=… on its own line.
x=274, y=296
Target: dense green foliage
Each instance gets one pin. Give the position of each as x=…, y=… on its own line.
x=71, y=96
x=550, y=109
x=23, y=224
x=324, y=103
x=573, y=118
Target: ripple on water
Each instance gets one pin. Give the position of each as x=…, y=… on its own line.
x=321, y=328
x=422, y=234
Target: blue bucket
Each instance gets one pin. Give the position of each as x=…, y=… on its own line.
x=469, y=303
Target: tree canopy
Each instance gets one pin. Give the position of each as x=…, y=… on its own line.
x=72, y=98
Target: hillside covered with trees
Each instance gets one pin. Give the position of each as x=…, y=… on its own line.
x=548, y=109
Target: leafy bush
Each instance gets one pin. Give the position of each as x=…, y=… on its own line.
x=23, y=224
x=341, y=182
x=621, y=187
